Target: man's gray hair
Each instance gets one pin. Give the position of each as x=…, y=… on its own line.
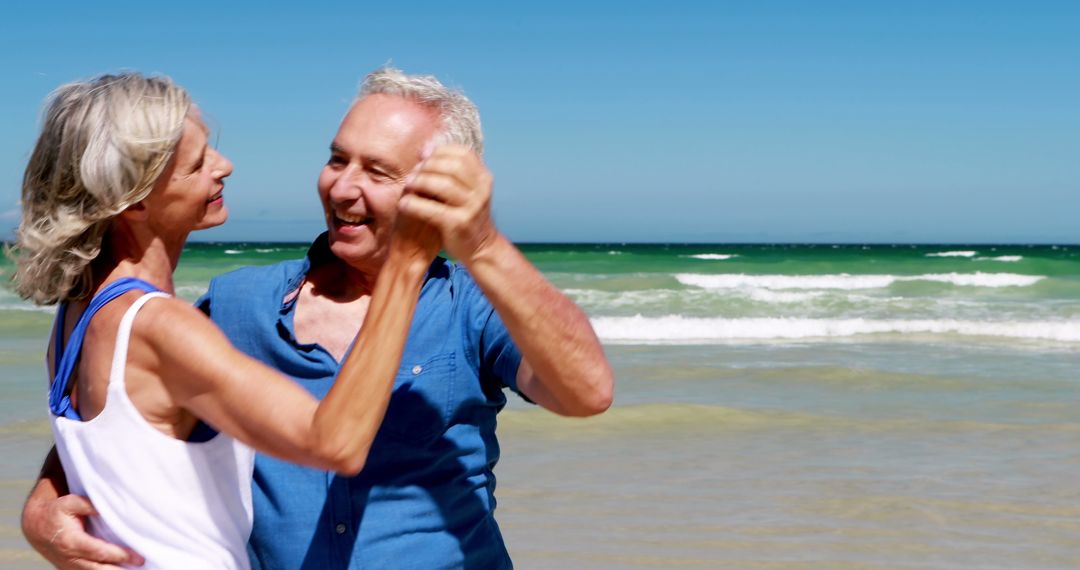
x=459, y=120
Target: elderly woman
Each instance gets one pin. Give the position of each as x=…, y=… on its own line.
x=120, y=175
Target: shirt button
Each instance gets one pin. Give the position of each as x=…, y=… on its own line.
x=340, y=528
x=417, y=369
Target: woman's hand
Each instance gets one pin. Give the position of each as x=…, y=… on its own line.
x=451, y=190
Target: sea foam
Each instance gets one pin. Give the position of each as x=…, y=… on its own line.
x=713, y=256
x=679, y=329
x=606, y=300
x=190, y=291
x=28, y=307
x=852, y=282
x=1004, y=258
x=952, y=254
x=769, y=296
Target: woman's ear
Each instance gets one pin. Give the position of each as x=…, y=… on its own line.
x=136, y=212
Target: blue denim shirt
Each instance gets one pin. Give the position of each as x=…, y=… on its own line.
x=425, y=498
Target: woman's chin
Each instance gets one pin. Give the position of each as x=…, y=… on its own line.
x=213, y=219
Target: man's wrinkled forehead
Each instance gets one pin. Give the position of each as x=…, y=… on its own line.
x=378, y=120
x=377, y=103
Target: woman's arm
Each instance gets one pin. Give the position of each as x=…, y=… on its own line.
x=259, y=406
x=254, y=402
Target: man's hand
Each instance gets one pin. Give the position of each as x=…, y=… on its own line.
x=56, y=530
x=451, y=191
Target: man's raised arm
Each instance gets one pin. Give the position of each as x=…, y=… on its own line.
x=563, y=367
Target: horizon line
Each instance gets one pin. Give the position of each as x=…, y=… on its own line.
x=707, y=243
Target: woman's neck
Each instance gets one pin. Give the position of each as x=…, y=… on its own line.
x=149, y=258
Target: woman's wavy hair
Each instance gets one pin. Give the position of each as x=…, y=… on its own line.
x=103, y=144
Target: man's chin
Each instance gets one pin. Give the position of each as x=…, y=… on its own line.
x=357, y=253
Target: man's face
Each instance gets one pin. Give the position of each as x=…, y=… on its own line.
x=378, y=143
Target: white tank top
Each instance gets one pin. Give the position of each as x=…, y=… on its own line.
x=179, y=504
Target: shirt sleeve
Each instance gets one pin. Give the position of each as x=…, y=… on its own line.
x=499, y=354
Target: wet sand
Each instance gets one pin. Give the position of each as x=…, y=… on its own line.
x=831, y=457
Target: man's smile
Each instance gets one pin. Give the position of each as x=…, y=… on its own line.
x=354, y=220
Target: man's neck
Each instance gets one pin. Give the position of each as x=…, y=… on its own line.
x=340, y=282
x=332, y=305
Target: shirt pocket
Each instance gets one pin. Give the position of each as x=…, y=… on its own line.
x=419, y=405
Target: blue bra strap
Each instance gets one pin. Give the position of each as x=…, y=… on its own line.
x=59, y=398
x=58, y=349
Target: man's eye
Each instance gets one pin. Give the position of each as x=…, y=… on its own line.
x=335, y=160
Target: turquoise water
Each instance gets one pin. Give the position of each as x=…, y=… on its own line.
x=778, y=406
x=706, y=294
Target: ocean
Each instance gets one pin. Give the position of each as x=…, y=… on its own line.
x=777, y=406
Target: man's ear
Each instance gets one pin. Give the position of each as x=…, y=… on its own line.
x=136, y=212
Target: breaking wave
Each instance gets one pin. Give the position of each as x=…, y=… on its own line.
x=713, y=256
x=679, y=329
x=1004, y=258
x=953, y=254
x=852, y=282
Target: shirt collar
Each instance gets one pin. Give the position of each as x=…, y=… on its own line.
x=318, y=253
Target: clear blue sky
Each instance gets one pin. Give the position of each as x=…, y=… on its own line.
x=624, y=121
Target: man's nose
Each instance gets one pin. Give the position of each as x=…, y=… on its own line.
x=348, y=186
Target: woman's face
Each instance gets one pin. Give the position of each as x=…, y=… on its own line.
x=188, y=195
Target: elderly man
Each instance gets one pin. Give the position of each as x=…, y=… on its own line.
x=425, y=499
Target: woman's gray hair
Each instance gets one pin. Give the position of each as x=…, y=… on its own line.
x=459, y=120
x=103, y=144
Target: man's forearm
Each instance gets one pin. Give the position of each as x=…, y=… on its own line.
x=52, y=482
x=554, y=335
x=51, y=485
x=53, y=523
